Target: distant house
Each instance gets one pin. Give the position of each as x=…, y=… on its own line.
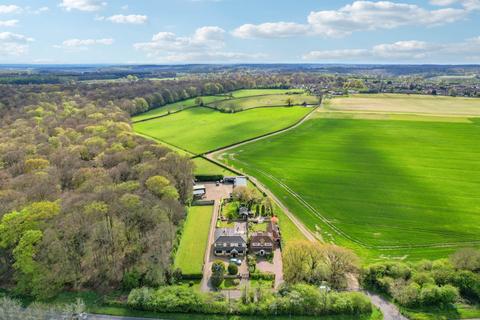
x=199, y=191
x=230, y=242
x=262, y=243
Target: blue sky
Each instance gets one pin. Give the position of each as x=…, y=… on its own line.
x=232, y=31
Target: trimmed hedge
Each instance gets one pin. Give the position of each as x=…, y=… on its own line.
x=208, y=178
x=262, y=276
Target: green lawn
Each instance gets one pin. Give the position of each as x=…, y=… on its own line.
x=255, y=227
x=264, y=100
x=190, y=254
x=201, y=129
x=206, y=168
x=172, y=107
x=374, y=185
x=458, y=311
x=288, y=229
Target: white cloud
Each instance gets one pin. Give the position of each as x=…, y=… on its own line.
x=11, y=8
x=213, y=56
x=204, y=45
x=403, y=49
x=469, y=5
x=357, y=16
x=14, y=37
x=13, y=44
x=209, y=37
x=8, y=23
x=341, y=54
x=82, y=5
x=408, y=51
x=38, y=10
x=270, y=30
x=83, y=44
x=126, y=19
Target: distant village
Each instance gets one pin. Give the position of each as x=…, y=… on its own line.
x=455, y=86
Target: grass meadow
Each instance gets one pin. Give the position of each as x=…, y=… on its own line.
x=403, y=103
x=380, y=187
x=259, y=92
x=270, y=100
x=172, y=107
x=201, y=129
x=191, y=251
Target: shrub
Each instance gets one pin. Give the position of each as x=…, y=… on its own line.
x=218, y=266
x=262, y=276
x=432, y=295
x=131, y=279
x=466, y=259
x=468, y=283
x=232, y=269
x=216, y=279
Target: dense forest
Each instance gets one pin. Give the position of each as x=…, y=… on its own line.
x=84, y=202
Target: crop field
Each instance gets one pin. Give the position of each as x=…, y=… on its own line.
x=402, y=103
x=264, y=100
x=172, y=107
x=386, y=188
x=191, y=252
x=201, y=129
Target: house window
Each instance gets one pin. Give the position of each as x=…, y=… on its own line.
x=218, y=252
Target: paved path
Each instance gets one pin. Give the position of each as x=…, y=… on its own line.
x=389, y=310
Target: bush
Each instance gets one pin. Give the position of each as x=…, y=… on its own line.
x=232, y=269
x=262, y=276
x=131, y=279
x=218, y=266
x=432, y=295
x=216, y=279
x=468, y=283
x=300, y=299
x=466, y=259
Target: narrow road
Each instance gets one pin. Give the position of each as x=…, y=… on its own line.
x=215, y=193
x=389, y=310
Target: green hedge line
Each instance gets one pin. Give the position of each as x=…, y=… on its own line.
x=300, y=299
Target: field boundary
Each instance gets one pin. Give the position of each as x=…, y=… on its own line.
x=233, y=145
x=194, y=155
x=163, y=115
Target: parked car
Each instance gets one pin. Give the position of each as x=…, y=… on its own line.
x=236, y=261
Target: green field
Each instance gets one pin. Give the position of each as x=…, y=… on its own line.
x=201, y=129
x=258, y=92
x=191, y=251
x=384, y=188
x=403, y=103
x=270, y=100
x=172, y=107
x=206, y=168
